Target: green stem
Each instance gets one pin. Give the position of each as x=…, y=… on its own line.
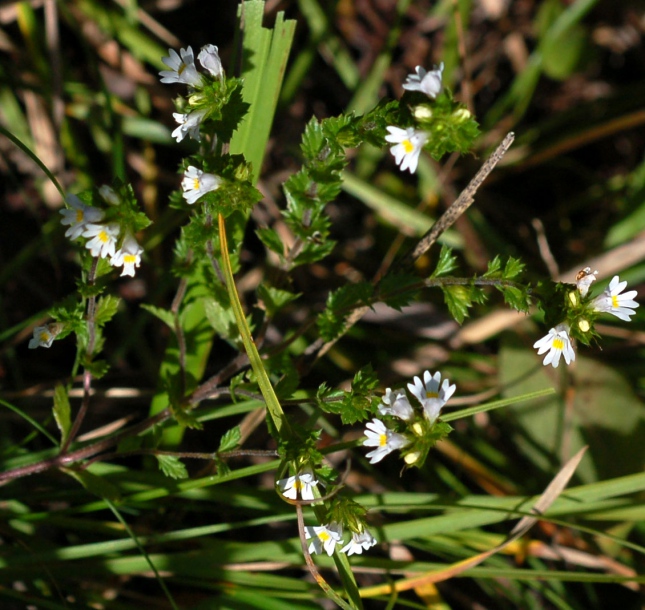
x=272, y=402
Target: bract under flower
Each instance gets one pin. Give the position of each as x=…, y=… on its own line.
x=79, y=216
x=432, y=394
x=197, y=183
x=182, y=68
x=424, y=81
x=612, y=301
x=407, y=146
x=557, y=342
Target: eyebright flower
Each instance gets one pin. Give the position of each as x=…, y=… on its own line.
x=584, y=278
x=303, y=484
x=558, y=343
x=43, y=336
x=209, y=58
x=426, y=82
x=128, y=256
x=396, y=403
x=431, y=396
x=611, y=301
x=383, y=439
x=78, y=216
x=103, y=239
x=407, y=146
x=109, y=195
x=323, y=537
x=182, y=68
x=359, y=542
x=188, y=125
x=196, y=183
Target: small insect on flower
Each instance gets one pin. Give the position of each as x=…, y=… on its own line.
x=432, y=394
x=197, y=183
x=323, y=537
x=359, y=542
x=424, y=81
x=79, y=216
x=209, y=58
x=407, y=146
x=383, y=439
x=396, y=403
x=612, y=301
x=584, y=278
x=558, y=343
x=103, y=238
x=301, y=484
x=128, y=256
x=182, y=68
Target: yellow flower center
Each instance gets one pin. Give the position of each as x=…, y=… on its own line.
x=298, y=485
x=79, y=215
x=196, y=184
x=432, y=395
x=382, y=440
x=558, y=343
x=44, y=337
x=182, y=67
x=324, y=536
x=407, y=146
x=614, y=301
x=129, y=259
x=104, y=237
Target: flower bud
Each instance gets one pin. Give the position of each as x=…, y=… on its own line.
x=461, y=115
x=411, y=458
x=417, y=428
x=574, y=298
x=422, y=113
x=584, y=326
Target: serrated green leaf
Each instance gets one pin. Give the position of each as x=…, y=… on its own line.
x=163, y=314
x=446, y=263
x=230, y=440
x=62, y=411
x=513, y=268
x=172, y=466
x=457, y=298
x=106, y=308
x=397, y=290
x=98, y=368
x=275, y=299
x=271, y=240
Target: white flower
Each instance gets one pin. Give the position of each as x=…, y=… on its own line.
x=383, y=439
x=103, y=239
x=557, y=342
x=188, y=125
x=303, y=483
x=196, y=183
x=78, y=216
x=584, y=278
x=43, y=337
x=128, y=256
x=109, y=195
x=432, y=394
x=359, y=542
x=611, y=301
x=323, y=537
x=426, y=82
x=182, y=68
x=209, y=58
x=407, y=146
x=396, y=403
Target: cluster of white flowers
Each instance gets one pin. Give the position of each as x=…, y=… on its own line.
x=102, y=239
x=431, y=394
x=183, y=70
x=195, y=182
x=327, y=537
x=409, y=142
x=612, y=300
